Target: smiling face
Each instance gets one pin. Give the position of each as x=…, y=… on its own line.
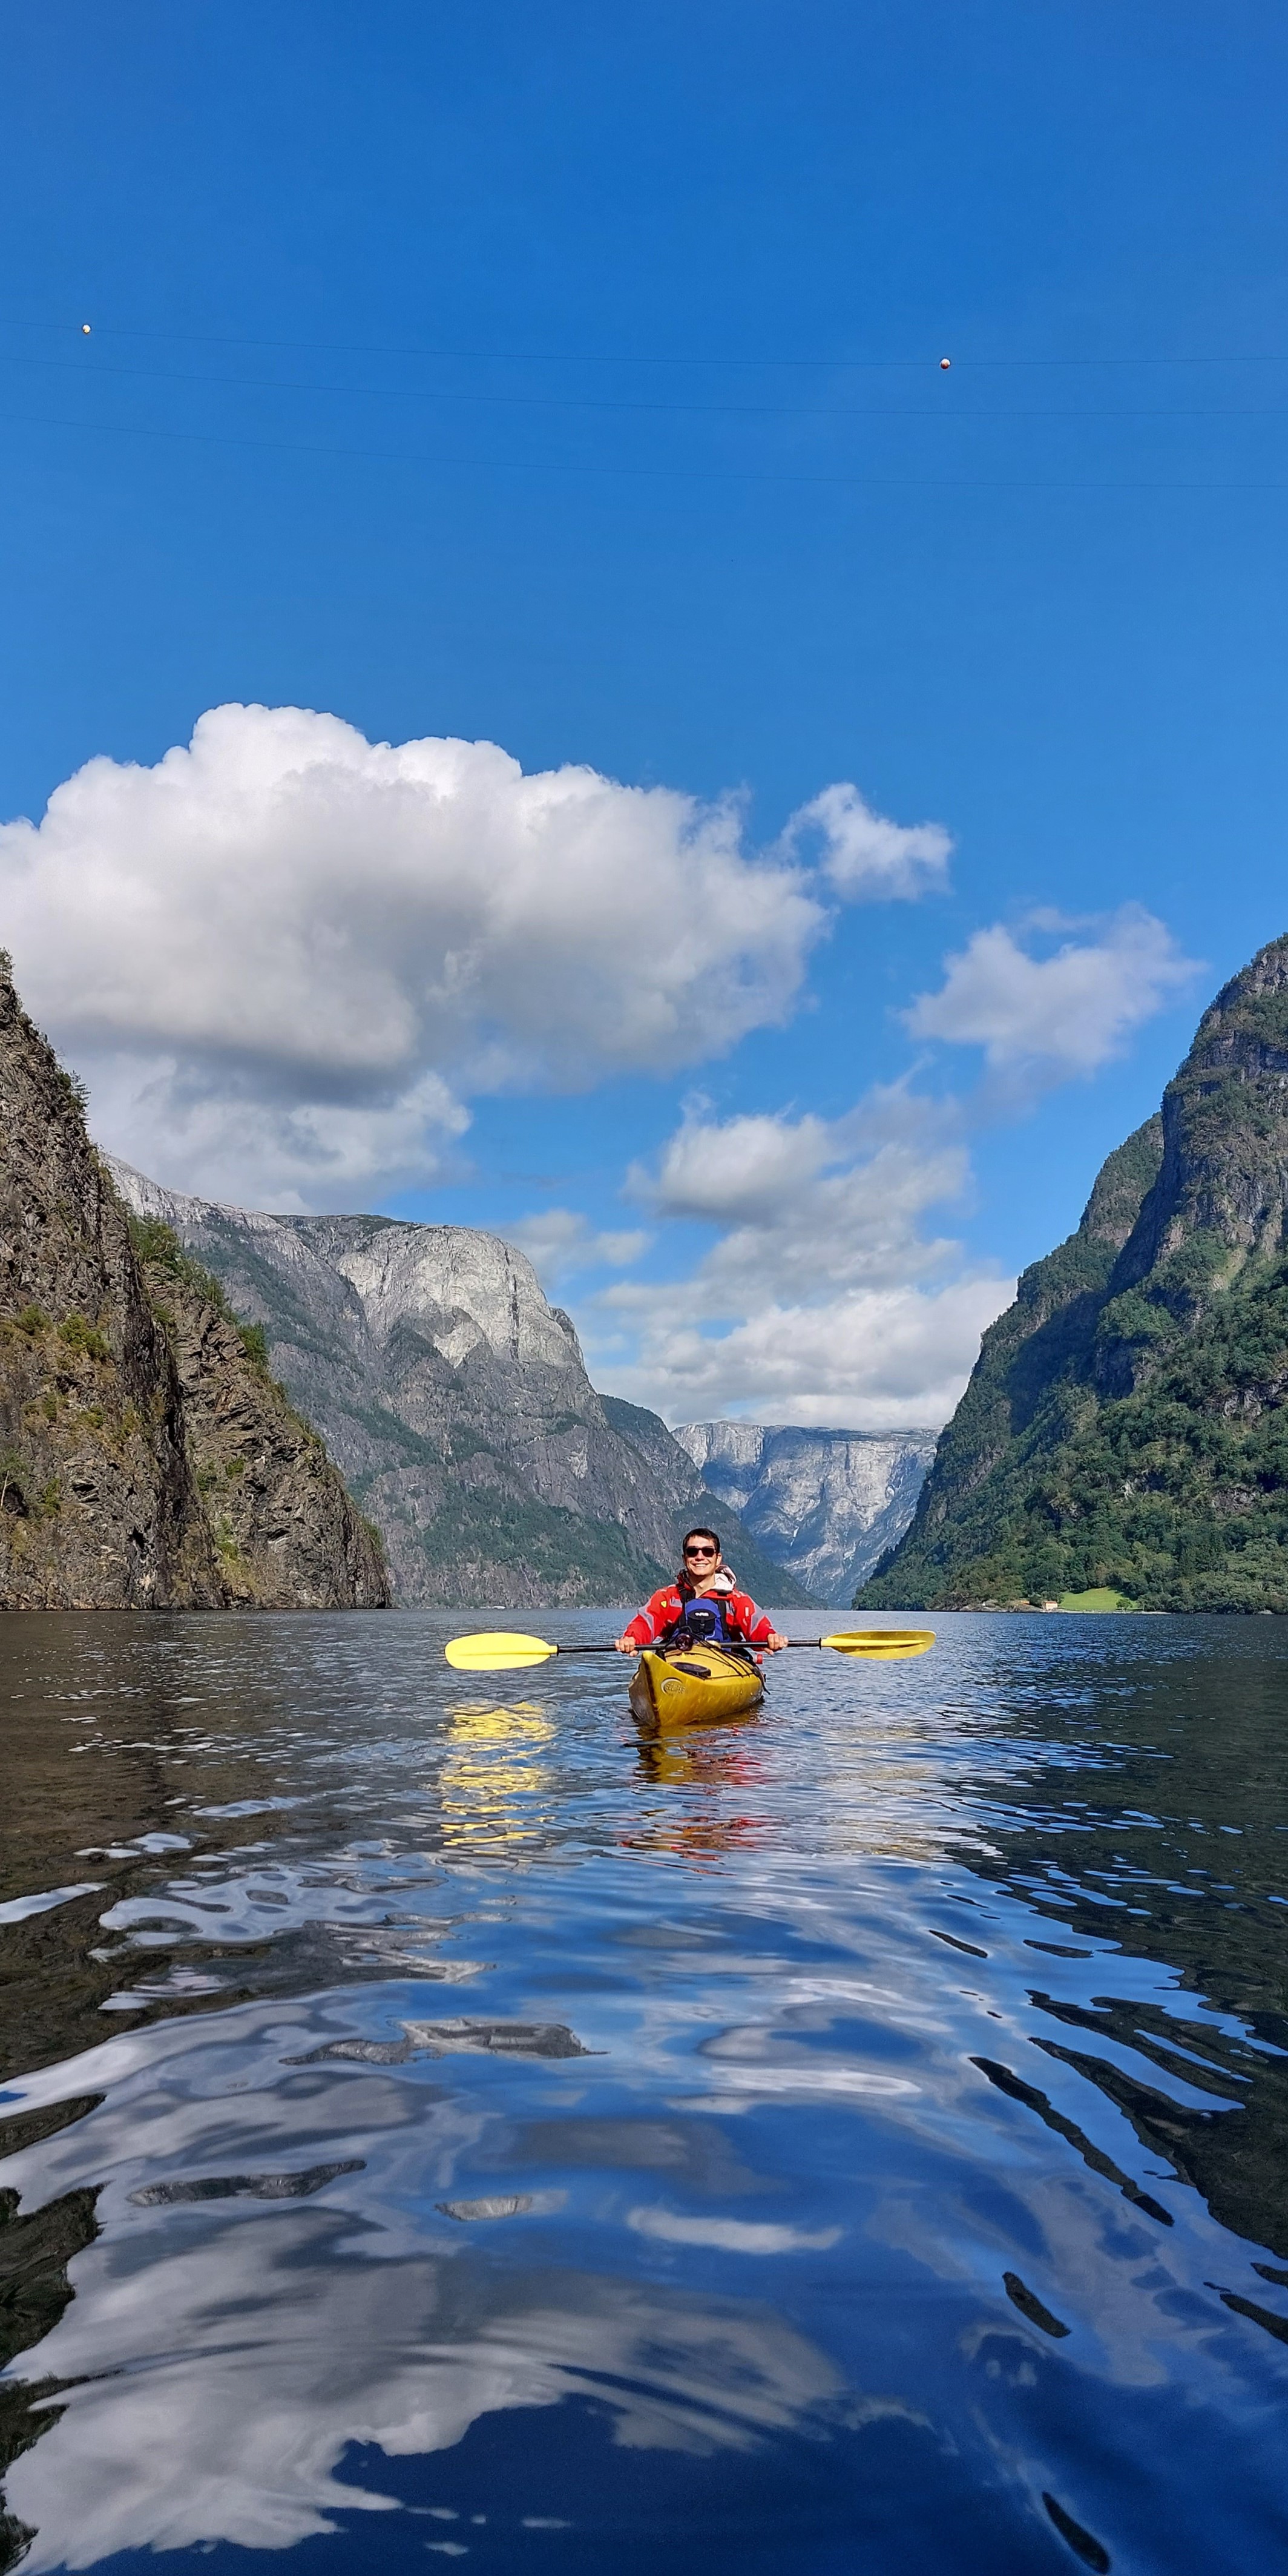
x=702, y=1558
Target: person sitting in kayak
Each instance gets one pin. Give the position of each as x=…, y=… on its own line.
x=703, y=1605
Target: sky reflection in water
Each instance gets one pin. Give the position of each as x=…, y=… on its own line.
x=445, y=2124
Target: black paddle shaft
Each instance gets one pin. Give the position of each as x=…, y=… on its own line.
x=612, y=1650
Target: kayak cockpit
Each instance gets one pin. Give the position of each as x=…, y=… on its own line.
x=695, y=1686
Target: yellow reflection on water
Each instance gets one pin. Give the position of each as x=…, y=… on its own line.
x=471, y=1722
x=886, y=1798
x=714, y=1761
x=492, y=1789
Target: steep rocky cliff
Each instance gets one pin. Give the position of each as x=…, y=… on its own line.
x=286, y=1533
x=124, y=1398
x=1127, y=1421
x=691, y=1497
x=454, y=1397
x=826, y=1505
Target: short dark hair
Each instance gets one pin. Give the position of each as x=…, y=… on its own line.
x=702, y=1533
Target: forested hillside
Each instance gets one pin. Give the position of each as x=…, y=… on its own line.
x=1126, y=1423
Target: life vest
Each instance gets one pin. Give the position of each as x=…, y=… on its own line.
x=724, y=1630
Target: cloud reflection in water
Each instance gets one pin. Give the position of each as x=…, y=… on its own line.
x=241, y=2367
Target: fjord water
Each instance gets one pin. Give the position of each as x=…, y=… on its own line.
x=438, y=2123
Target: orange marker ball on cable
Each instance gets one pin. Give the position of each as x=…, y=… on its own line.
x=945, y=362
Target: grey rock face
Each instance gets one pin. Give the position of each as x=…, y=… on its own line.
x=1220, y=1198
x=98, y=1504
x=455, y=1399
x=286, y=1534
x=826, y=1505
x=692, y=1499
x=146, y=1462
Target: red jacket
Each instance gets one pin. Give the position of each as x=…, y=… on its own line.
x=737, y=1609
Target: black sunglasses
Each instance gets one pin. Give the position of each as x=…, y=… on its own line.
x=702, y=1551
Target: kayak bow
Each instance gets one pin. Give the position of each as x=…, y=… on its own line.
x=693, y=1686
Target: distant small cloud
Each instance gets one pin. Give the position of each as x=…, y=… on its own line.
x=560, y=1243
x=732, y=2235
x=1051, y=1019
x=822, y=1298
x=808, y=1203
x=865, y=857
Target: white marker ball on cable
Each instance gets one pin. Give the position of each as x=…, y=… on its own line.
x=85, y=329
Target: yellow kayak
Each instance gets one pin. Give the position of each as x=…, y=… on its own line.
x=693, y=1685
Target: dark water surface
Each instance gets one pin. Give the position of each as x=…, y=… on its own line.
x=852, y=2139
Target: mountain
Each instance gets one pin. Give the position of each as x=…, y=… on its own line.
x=694, y=1498
x=455, y=1399
x=826, y=1505
x=1126, y=1425
x=147, y=1460
x=286, y=1533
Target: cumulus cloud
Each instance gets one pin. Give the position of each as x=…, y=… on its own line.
x=337, y=2352
x=822, y=1300
x=559, y=1243
x=1053, y=1018
x=284, y=918
x=867, y=858
x=229, y=1138
x=805, y=1200
x=872, y=1360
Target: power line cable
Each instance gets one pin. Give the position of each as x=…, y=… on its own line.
x=610, y=358
x=667, y=473
x=582, y=402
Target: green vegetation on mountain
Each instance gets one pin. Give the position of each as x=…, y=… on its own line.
x=1126, y=1425
x=456, y=1401
x=488, y=1536
x=160, y=1251
x=147, y=1458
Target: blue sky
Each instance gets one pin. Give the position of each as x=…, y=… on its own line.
x=569, y=381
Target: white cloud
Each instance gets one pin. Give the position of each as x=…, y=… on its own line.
x=866, y=857
x=392, y=2358
x=1052, y=1018
x=824, y=1298
x=559, y=1243
x=286, y=921
x=821, y=1299
x=227, y=1139
x=807, y=1201
x=731, y=2235
x=873, y=1360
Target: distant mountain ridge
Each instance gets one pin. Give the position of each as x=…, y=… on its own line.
x=1126, y=1424
x=693, y=1499
x=826, y=1505
x=457, y=1402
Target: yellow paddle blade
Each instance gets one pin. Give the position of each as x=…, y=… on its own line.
x=881, y=1644
x=496, y=1650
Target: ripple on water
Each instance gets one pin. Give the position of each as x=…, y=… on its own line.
x=859, y=2139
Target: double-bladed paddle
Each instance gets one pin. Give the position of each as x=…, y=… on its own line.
x=500, y=1651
